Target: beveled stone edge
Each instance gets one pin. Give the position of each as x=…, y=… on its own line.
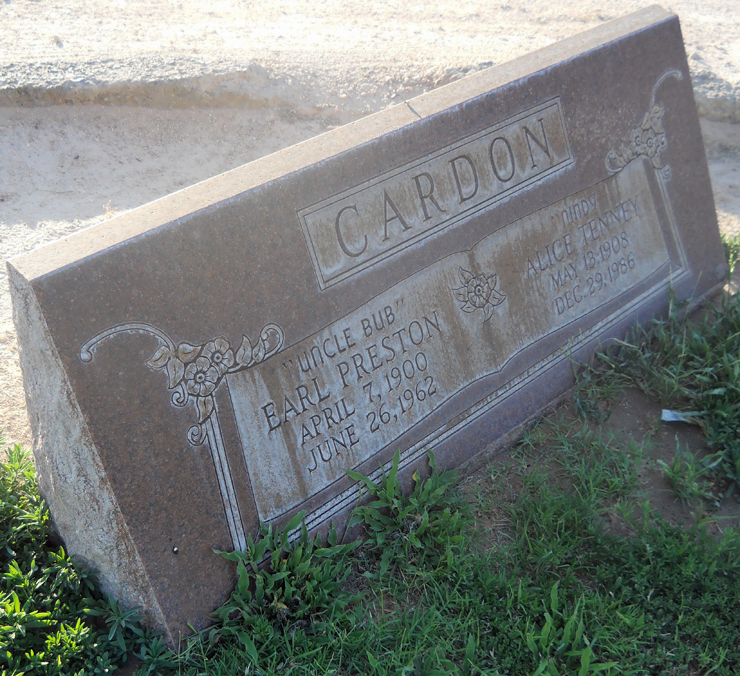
x=70, y=475
x=167, y=210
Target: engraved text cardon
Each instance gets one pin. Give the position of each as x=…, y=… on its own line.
x=366, y=224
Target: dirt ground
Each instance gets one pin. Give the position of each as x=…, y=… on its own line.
x=633, y=418
x=350, y=54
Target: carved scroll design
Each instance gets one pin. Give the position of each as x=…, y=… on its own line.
x=648, y=139
x=195, y=371
x=478, y=293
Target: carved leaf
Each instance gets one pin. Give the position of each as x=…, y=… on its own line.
x=461, y=294
x=187, y=352
x=175, y=372
x=487, y=311
x=496, y=298
x=468, y=307
x=244, y=353
x=258, y=353
x=466, y=276
x=492, y=281
x=160, y=357
x=205, y=408
x=272, y=337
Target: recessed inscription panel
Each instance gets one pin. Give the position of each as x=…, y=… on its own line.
x=370, y=222
x=336, y=398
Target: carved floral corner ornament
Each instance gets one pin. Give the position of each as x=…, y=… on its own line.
x=648, y=139
x=478, y=293
x=195, y=371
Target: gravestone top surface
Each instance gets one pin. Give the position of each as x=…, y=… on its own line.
x=418, y=280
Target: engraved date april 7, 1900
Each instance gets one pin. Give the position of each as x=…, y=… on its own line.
x=403, y=386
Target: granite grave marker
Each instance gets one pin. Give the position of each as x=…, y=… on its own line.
x=417, y=280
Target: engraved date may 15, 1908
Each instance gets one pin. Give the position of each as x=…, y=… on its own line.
x=585, y=261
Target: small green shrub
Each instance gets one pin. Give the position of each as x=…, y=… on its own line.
x=49, y=604
x=287, y=580
x=422, y=529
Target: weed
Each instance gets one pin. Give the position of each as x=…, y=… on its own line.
x=731, y=244
x=601, y=470
x=421, y=529
x=156, y=656
x=685, y=475
x=560, y=645
x=595, y=391
x=285, y=583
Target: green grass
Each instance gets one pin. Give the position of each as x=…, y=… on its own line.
x=564, y=596
x=424, y=594
x=731, y=245
x=691, y=365
x=687, y=476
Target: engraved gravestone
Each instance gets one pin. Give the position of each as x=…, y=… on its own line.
x=418, y=280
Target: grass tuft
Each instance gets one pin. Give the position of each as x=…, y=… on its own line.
x=731, y=244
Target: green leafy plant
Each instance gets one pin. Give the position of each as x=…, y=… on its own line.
x=559, y=645
x=422, y=528
x=289, y=579
x=686, y=476
x=156, y=656
x=50, y=605
x=123, y=625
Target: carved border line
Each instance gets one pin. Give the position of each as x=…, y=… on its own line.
x=194, y=372
x=335, y=278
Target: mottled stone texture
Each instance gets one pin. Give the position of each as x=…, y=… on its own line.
x=418, y=280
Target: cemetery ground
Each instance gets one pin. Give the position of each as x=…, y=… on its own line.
x=606, y=542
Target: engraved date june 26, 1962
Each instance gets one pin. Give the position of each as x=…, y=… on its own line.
x=403, y=386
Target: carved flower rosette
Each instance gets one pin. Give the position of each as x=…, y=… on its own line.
x=648, y=139
x=478, y=293
x=194, y=372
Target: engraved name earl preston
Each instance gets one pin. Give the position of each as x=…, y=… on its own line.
x=369, y=222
